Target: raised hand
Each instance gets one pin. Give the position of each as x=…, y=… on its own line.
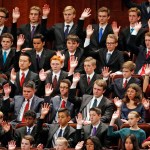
x=117, y=102
x=15, y=14
x=74, y=63
x=12, y=145
x=6, y=126
x=115, y=28
x=147, y=70
x=86, y=13
x=46, y=10
x=115, y=115
x=89, y=31
x=146, y=103
x=42, y=75
x=48, y=89
x=7, y=89
x=44, y=110
x=20, y=40
x=138, y=26
x=13, y=75
x=76, y=77
x=62, y=56
x=79, y=145
x=106, y=72
x=79, y=119
x=40, y=147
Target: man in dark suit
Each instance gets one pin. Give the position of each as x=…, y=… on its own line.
x=62, y=129
x=107, y=57
x=23, y=75
x=145, y=10
x=59, y=101
x=96, y=128
x=28, y=129
x=88, y=101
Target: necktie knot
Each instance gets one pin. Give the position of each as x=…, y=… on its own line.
x=94, y=131
x=131, y=30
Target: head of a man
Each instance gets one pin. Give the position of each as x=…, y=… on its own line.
x=64, y=87
x=27, y=142
x=30, y=118
x=6, y=41
x=4, y=14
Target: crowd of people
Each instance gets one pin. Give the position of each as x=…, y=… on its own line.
x=79, y=92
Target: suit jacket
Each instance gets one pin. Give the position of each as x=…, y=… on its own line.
x=117, y=88
x=140, y=52
x=56, y=34
x=79, y=54
x=143, y=7
x=44, y=60
x=115, y=62
x=48, y=133
x=83, y=86
x=17, y=89
x=55, y=106
x=17, y=102
x=101, y=133
x=106, y=106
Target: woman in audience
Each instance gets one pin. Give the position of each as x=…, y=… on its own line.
x=130, y=143
x=131, y=102
x=133, y=118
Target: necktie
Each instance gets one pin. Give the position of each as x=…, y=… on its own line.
x=32, y=31
x=88, y=80
x=63, y=104
x=148, y=54
x=4, y=57
x=125, y=83
x=94, y=131
x=25, y=110
x=38, y=61
x=95, y=103
x=60, y=133
x=108, y=57
x=28, y=132
x=54, y=82
x=22, y=79
x=67, y=30
x=71, y=58
x=131, y=30
x=100, y=34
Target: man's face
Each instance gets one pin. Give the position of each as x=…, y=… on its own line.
x=103, y=18
x=64, y=89
x=29, y=121
x=147, y=41
x=24, y=63
x=28, y=92
x=98, y=91
x=63, y=119
x=68, y=16
x=25, y=144
x=60, y=145
x=72, y=45
x=34, y=16
x=2, y=18
x=6, y=43
x=133, y=17
x=56, y=65
x=111, y=44
x=94, y=118
x=127, y=73
x=38, y=44
x=89, y=67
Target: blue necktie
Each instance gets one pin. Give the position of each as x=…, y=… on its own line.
x=95, y=103
x=100, y=34
x=4, y=57
x=28, y=132
x=60, y=133
x=67, y=30
x=108, y=57
x=131, y=30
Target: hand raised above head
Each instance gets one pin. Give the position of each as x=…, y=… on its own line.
x=86, y=13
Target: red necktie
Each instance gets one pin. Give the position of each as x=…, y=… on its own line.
x=88, y=80
x=63, y=104
x=148, y=54
x=54, y=82
x=22, y=79
x=71, y=58
x=25, y=110
x=125, y=83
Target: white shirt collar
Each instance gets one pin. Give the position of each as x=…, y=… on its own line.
x=96, y=125
x=104, y=26
x=26, y=72
x=110, y=52
x=7, y=51
x=71, y=53
x=124, y=79
x=70, y=24
x=39, y=53
x=91, y=75
x=57, y=74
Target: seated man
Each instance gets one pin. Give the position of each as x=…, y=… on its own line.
x=96, y=128
x=88, y=101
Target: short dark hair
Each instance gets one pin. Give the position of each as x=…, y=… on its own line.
x=96, y=109
x=5, y=11
x=29, y=138
x=7, y=35
x=30, y=113
x=73, y=37
x=29, y=84
x=64, y=110
x=66, y=81
x=39, y=36
x=25, y=54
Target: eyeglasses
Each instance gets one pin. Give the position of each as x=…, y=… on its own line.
x=2, y=17
x=110, y=43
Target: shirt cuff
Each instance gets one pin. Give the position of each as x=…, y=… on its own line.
x=79, y=126
x=87, y=42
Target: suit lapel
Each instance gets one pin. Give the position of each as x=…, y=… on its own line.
x=18, y=80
